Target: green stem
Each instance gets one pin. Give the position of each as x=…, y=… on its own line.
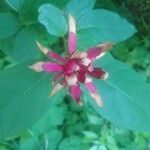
x=65, y=44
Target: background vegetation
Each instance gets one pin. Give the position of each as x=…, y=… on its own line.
x=69, y=127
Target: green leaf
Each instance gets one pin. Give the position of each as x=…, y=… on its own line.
x=3, y=147
x=2, y=63
x=28, y=143
x=90, y=135
x=88, y=37
x=78, y=8
x=54, y=138
x=25, y=47
x=52, y=18
x=15, y=4
x=125, y=94
x=103, y=25
x=73, y=143
x=8, y=25
x=95, y=119
x=6, y=45
x=24, y=99
x=29, y=11
x=61, y=113
x=22, y=47
x=49, y=120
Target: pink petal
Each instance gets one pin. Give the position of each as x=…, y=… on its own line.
x=71, y=80
x=92, y=91
x=75, y=92
x=94, y=52
x=86, y=61
x=52, y=67
x=99, y=51
x=81, y=76
x=72, y=35
x=72, y=42
x=56, y=56
x=97, y=73
x=97, y=98
x=91, y=87
x=79, y=55
x=71, y=67
x=50, y=53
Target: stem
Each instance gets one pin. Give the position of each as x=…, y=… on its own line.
x=65, y=45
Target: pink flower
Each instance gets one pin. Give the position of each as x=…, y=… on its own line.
x=76, y=68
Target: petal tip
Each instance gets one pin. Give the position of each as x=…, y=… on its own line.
x=80, y=103
x=97, y=99
x=42, y=48
x=105, y=76
x=56, y=89
x=101, y=55
x=108, y=45
x=79, y=55
x=72, y=24
x=37, y=66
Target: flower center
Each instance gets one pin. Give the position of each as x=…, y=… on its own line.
x=71, y=67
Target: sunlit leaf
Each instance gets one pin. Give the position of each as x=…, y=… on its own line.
x=101, y=25
x=53, y=19
x=78, y=8
x=126, y=104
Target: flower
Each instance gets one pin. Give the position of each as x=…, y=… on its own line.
x=74, y=69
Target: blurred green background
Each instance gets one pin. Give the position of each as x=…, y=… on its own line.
x=69, y=127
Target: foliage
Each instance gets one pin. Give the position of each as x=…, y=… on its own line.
x=65, y=125
x=62, y=128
